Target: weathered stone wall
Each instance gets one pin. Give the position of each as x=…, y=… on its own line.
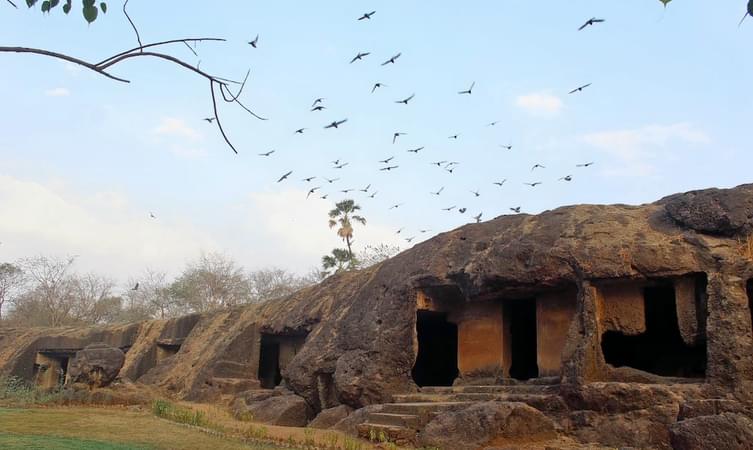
x=623, y=308
x=554, y=313
x=480, y=339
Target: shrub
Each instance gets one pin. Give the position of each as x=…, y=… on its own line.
x=179, y=414
x=16, y=391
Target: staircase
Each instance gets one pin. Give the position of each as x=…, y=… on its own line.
x=401, y=421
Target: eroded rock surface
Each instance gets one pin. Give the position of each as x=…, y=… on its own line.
x=97, y=365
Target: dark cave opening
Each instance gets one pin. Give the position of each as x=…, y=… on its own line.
x=521, y=317
x=269, y=362
x=749, y=290
x=660, y=349
x=437, y=359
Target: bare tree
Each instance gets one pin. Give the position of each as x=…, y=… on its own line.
x=268, y=284
x=374, y=254
x=11, y=283
x=93, y=299
x=151, y=298
x=52, y=290
x=213, y=281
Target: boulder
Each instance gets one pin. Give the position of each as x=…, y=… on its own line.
x=96, y=365
x=283, y=410
x=713, y=211
x=487, y=423
x=725, y=431
x=330, y=417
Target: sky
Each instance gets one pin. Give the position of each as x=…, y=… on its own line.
x=84, y=160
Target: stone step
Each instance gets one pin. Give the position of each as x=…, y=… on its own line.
x=502, y=389
x=542, y=402
x=232, y=369
x=508, y=381
x=233, y=385
x=410, y=421
x=422, y=407
x=376, y=432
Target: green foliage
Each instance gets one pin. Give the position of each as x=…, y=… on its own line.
x=15, y=391
x=665, y=2
x=256, y=432
x=17, y=441
x=175, y=413
x=89, y=9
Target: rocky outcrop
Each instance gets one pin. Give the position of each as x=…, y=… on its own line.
x=330, y=417
x=725, y=431
x=97, y=365
x=278, y=407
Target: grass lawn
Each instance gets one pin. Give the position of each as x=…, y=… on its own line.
x=103, y=428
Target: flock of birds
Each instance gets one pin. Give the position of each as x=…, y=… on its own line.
x=389, y=164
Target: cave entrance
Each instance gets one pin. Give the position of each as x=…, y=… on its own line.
x=749, y=289
x=51, y=369
x=520, y=316
x=269, y=362
x=660, y=349
x=437, y=359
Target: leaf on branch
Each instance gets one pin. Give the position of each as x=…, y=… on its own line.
x=103, y=7
x=665, y=2
x=46, y=6
x=67, y=6
x=30, y=3
x=750, y=7
x=90, y=13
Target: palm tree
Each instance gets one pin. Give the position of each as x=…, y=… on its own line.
x=343, y=215
x=339, y=260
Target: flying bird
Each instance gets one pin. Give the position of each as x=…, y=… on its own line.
x=267, y=154
x=469, y=90
x=424, y=231
x=346, y=191
x=392, y=60
x=566, y=178
x=335, y=162
x=324, y=197
x=415, y=150
x=312, y=190
x=210, y=119
x=387, y=161
x=454, y=136
x=500, y=183
x=367, y=16
x=478, y=218
x=332, y=180
x=476, y=193
x=151, y=215
x=308, y=180
x=318, y=108
x=438, y=192
x=376, y=86
x=405, y=101
x=397, y=135
x=410, y=239
x=506, y=147
x=388, y=168
x=590, y=22
x=462, y=210
x=533, y=184
x=299, y=131
x=359, y=56
x=317, y=101
x=136, y=287
x=285, y=177
x=366, y=189
x=336, y=123
x=438, y=163
x=579, y=89
x=491, y=124
x=396, y=206
x=400, y=230
x=584, y=165
x=255, y=42
x=450, y=208
x=516, y=209
x=537, y=166
x=373, y=194
x=340, y=166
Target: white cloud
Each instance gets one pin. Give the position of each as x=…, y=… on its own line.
x=57, y=92
x=111, y=235
x=638, y=149
x=173, y=127
x=540, y=104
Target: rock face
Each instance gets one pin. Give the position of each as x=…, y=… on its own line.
x=632, y=315
x=485, y=424
x=330, y=417
x=97, y=365
x=283, y=409
x=726, y=431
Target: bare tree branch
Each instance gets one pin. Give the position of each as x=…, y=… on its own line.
x=12, y=4
x=70, y=59
x=171, y=41
x=217, y=117
x=135, y=30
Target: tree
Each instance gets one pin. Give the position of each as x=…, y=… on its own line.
x=51, y=298
x=344, y=215
x=374, y=254
x=213, y=281
x=340, y=259
x=90, y=12
x=268, y=284
x=11, y=282
x=93, y=300
x=152, y=297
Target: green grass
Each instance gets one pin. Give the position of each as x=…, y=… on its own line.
x=11, y=441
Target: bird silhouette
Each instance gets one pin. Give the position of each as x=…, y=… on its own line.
x=309, y=179
x=299, y=131
x=507, y=147
x=405, y=101
x=566, y=178
x=332, y=180
x=388, y=168
x=534, y=184
x=317, y=101
x=210, y=119
x=324, y=197
x=366, y=189
x=396, y=206
x=468, y=91
x=579, y=89
x=135, y=287
x=359, y=56
x=449, y=208
x=415, y=150
x=340, y=166
x=367, y=16
x=400, y=230
x=462, y=210
x=285, y=177
x=387, y=161
x=516, y=209
x=318, y=108
x=590, y=22
x=454, y=136
x=376, y=86
x=491, y=124
x=346, y=191
x=336, y=124
x=438, y=192
x=255, y=42
x=410, y=239
x=585, y=165
x=537, y=166
x=335, y=162
x=151, y=215
x=397, y=135
x=438, y=163
x=373, y=194
x=312, y=190
x=476, y=193
x=500, y=183
x=267, y=154
x=478, y=218
x=392, y=60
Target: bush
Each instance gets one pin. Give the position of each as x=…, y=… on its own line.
x=179, y=414
x=18, y=392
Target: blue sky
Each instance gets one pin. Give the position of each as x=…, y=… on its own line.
x=84, y=159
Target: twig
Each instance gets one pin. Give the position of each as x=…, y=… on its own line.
x=12, y=4
x=171, y=41
x=135, y=30
x=217, y=117
x=70, y=59
x=222, y=87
